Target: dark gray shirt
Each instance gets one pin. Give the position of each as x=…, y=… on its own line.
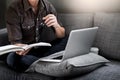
x=24, y=26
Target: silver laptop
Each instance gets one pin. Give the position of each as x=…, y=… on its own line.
x=79, y=43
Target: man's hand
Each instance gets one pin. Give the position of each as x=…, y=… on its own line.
x=22, y=52
x=51, y=20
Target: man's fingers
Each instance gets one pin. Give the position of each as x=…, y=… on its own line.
x=50, y=23
x=20, y=52
x=49, y=19
x=26, y=52
x=49, y=15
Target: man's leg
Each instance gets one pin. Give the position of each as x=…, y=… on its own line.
x=57, y=46
x=13, y=60
x=20, y=63
x=27, y=60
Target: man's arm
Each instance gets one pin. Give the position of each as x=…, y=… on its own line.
x=13, y=28
x=51, y=20
x=13, y=24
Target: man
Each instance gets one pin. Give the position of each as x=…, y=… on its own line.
x=30, y=21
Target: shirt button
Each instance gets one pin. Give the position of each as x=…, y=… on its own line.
x=28, y=27
x=36, y=29
x=36, y=38
x=42, y=24
x=37, y=19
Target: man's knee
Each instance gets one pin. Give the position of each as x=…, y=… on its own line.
x=11, y=59
x=27, y=60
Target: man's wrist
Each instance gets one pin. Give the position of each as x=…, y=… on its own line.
x=57, y=26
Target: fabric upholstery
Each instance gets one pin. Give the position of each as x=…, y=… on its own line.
x=76, y=21
x=3, y=37
x=8, y=74
x=77, y=6
x=109, y=72
x=70, y=67
x=108, y=37
x=3, y=41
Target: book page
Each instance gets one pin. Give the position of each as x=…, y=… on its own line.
x=36, y=45
x=13, y=48
x=50, y=60
x=3, y=48
x=9, y=48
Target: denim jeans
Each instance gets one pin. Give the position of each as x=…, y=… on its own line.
x=21, y=63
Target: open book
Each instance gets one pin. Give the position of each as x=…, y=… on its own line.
x=13, y=48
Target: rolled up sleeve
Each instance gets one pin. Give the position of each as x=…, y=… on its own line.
x=13, y=25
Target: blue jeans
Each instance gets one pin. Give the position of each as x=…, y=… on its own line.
x=21, y=63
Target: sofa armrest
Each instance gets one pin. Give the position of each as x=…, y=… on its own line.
x=3, y=37
x=3, y=41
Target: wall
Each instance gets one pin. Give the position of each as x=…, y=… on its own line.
x=77, y=6
x=74, y=6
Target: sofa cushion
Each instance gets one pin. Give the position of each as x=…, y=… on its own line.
x=109, y=72
x=7, y=73
x=3, y=37
x=76, y=21
x=70, y=67
x=108, y=37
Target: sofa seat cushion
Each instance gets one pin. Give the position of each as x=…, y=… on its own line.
x=108, y=37
x=8, y=74
x=109, y=72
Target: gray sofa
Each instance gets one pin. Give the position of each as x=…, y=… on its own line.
x=107, y=40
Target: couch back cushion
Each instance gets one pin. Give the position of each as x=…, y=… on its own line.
x=72, y=19
x=3, y=37
x=108, y=37
x=76, y=21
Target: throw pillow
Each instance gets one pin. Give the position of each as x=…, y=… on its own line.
x=70, y=67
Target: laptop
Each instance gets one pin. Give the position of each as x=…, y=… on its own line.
x=79, y=43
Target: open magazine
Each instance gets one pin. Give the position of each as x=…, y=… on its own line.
x=13, y=48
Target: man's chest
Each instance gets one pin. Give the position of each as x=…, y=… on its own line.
x=30, y=20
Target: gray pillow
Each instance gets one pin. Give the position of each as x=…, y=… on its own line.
x=108, y=36
x=70, y=67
